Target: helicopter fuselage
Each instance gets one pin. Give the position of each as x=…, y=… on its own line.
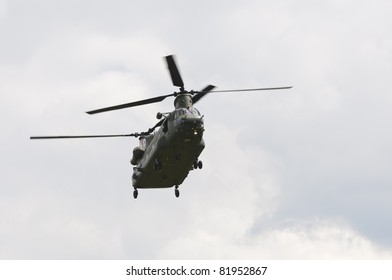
x=164, y=159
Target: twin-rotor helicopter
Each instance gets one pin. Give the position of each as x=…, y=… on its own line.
x=169, y=150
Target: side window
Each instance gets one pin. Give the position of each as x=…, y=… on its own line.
x=195, y=112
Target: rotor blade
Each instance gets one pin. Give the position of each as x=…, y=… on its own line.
x=251, y=89
x=202, y=93
x=157, y=125
x=174, y=73
x=131, y=104
x=84, y=136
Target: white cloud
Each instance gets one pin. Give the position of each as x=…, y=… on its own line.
x=306, y=240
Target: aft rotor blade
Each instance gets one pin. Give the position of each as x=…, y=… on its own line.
x=174, y=73
x=84, y=136
x=202, y=93
x=131, y=104
x=251, y=89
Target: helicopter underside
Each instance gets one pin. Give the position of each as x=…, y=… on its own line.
x=167, y=165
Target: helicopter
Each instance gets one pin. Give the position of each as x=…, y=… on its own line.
x=169, y=150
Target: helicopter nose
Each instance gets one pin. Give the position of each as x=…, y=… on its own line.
x=192, y=124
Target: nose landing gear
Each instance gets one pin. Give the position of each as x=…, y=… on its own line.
x=198, y=164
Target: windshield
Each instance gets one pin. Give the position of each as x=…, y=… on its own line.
x=183, y=112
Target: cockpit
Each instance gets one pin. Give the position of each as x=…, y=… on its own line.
x=188, y=121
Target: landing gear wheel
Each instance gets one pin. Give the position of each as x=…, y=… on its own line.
x=198, y=164
x=135, y=193
x=177, y=192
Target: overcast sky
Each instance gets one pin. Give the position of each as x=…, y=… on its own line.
x=298, y=174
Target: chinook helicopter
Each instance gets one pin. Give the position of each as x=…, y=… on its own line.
x=169, y=150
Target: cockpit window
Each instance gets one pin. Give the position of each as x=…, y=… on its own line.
x=184, y=112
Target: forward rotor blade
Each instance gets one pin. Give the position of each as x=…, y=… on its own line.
x=251, y=89
x=202, y=93
x=131, y=104
x=174, y=73
x=84, y=136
